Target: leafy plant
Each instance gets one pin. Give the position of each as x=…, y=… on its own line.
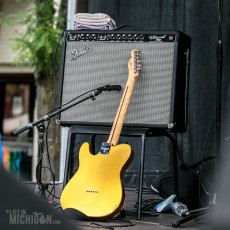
x=37, y=44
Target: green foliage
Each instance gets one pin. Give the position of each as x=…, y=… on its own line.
x=37, y=45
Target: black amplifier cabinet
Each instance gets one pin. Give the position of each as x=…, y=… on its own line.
x=92, y=59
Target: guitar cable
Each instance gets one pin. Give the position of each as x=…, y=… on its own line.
x=199, y=174
x=52, y=192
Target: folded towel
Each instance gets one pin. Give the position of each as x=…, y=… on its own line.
x=97, y=21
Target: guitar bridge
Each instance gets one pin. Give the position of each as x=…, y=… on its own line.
x=105, y=147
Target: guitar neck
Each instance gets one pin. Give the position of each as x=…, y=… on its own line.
x=121, y=113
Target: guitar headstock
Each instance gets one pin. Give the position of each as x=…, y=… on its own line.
x=134, y=64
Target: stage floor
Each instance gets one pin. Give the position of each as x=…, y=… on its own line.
x=156, y=221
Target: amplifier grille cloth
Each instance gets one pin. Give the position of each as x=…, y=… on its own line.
x=106, y=64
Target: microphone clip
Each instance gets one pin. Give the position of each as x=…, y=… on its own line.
x=95, y=93
x=110, y=88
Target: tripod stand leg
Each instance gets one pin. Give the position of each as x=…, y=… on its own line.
x=176, y=224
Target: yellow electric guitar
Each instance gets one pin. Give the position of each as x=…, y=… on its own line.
x=96, y=191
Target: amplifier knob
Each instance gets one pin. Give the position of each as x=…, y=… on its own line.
x=78, y=36
x=141, y=37
x=130, y=36
x=88, y=36
x=118, y=36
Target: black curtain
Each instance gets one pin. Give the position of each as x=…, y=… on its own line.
x=199, y=20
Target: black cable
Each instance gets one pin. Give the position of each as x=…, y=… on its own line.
x=59, y=206
x=210, y=125
x=145, y=190
x=53, y=195
x=45, y=167
x=128, y=223
x=53, y=203
x=46, y=130
x=143, y=212
x=31, y=182
x=202, y=161
x=189, y=168
x=46, y=136
x=203, y=154
x=53, y=187
x=49, y=162
x=53, y=101
x=46, y=141
x=90, y=226
x=39, y=162
x=122, y=26
x=199, y=174
x=53, y=109
x=147, y=204
x=219, y=65
x=220, y=7
x=93, y=225
x=54, y=68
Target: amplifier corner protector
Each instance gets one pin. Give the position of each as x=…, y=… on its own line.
x=171, y=125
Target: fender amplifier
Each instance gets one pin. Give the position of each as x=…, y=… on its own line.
x=92, y=59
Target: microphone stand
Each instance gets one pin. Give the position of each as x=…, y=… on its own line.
x=219, y=57
x=40, y=188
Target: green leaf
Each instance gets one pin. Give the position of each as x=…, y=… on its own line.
x=37, y=45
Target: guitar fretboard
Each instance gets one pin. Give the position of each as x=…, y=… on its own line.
x=134, y=67
x=121, y=113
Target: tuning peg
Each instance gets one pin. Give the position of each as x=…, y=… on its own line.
x=138, y=58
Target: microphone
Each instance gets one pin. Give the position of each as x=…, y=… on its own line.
x=110, y=88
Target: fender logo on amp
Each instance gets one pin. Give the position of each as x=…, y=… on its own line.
x=78, y=53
